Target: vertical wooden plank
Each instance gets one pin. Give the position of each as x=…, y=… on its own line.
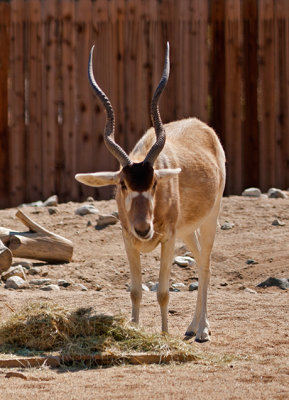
x=186, y=55
x=251, y=152
x=217, y=75
x=132, y=74
x=267, y=94
x=85, y=137
x=233, y=38
x=49, y=102
x=4, y=130
x=67, y=148
x=282, y=92
x=17, y=156
x=101, y=31
x=34, y=184
x=198, y=59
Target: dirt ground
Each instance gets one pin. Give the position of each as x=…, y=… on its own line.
x=247, y=357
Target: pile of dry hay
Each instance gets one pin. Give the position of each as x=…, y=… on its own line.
x=50, y=327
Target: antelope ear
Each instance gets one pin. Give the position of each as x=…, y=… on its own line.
x=165, y=174
x=98, y=178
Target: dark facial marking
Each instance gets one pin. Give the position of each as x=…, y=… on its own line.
x=139, y=176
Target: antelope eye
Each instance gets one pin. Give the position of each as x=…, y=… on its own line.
x=122, y=185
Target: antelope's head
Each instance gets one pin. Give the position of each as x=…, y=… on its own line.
x=137, y=182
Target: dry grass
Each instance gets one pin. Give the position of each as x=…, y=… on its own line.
x=50, y=327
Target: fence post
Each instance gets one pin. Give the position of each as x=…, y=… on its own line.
x=251, y=153
x=4, y=130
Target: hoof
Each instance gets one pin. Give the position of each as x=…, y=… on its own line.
x=189, y=334
x=203, y=340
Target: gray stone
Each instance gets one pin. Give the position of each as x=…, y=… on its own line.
x=52, y=210
x=145, y=288
x=38, y=203
x=227, y=226
x=106, y=220
x=39, y=282
x=153, y=286
x=24, y=264
x=34, y=271
x=274, y=193
x=277, y=222
x=63, y=283
x=281, y=283
x=13, y=271
x=86, y=209
x=80, y=286
x=251, y=291
x=252, y=192
x=178, y=285
x=193, y=286
x=184, y=261
x=174, y=289
x=251, y=262
x=49, y=288
x=98, y=287
x=15, y=282
x=52, y=201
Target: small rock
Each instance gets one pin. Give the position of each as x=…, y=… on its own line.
x=251, y=291
x=52, y=201
x=38, y=203
x=277, y=222
x=15, y=282
x=81, y=287
x=184, y=261
x=193, y=286
x=90, y=199
x=115, y=214
x=145, y=288
x=174, y=289
x=39, y=282
x=34, y=271
x=252, y=192
x=251, y=262
x=153, y=286
x=14, y=271
x=106, y=220
x=281, y=283
x=274, y=193
x=223, y=284
x=52, y=210
x=178, y=285
x=24, y=264
x=98, y=287
x=86, y=209
x=227, y=226
x=49, y=288
x=63, y=283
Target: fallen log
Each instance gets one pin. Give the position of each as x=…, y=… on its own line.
x=5, y=257
x=38, y=243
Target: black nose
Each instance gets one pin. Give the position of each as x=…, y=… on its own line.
x=142, y=233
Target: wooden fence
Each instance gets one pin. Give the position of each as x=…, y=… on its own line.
x=229, y=67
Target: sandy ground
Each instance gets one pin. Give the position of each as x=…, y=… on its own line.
x=247, y=357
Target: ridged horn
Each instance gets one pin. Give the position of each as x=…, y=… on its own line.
x=155, y=114
x=109, y=141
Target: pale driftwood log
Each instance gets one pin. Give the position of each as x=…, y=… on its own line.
x=5, y=257
x=38, y=243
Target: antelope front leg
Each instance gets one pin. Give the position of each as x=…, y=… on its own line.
x=167, y=254
x=133, y=256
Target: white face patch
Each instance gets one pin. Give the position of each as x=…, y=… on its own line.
x=132, y=195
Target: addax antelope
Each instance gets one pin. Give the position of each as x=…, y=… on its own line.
x=169, y=186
